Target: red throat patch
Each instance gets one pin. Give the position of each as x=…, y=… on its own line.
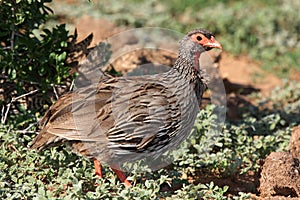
x=196, y=60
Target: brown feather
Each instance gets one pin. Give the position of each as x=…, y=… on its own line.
x=129, y=118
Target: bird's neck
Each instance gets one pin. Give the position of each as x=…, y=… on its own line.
x=190, y=73
x=188, y=66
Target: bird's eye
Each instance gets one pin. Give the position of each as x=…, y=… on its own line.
x=199, y=38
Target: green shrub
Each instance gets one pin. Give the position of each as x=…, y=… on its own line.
x=31, y=57
x=27, y=54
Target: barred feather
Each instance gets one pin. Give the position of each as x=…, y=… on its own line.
x=124, y=119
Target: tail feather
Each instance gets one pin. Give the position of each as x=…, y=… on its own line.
x=44, y=140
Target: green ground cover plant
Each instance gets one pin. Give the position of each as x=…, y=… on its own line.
x=59, y=173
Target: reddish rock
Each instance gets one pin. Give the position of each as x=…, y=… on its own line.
x=295, y=142
x=280, y=176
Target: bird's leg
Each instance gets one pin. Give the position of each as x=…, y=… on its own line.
x=98, y=168
x=120, y=175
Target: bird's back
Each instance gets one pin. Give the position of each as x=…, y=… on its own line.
x=122, y=118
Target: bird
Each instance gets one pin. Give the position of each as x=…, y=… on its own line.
x=124, y=119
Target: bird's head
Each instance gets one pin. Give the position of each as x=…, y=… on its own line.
x=195, y=42
x=199, y=40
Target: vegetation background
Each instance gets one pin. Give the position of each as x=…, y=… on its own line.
x=34, y=47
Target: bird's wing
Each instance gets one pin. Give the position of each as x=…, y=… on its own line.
x=73, y=116
x=145, y=111
x=77, y=118
x=131, y=114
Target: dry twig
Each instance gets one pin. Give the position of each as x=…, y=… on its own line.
x=14, y=99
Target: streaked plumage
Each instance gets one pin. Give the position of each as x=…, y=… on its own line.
x=127, y=118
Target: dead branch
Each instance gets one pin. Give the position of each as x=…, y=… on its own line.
x=4, y=113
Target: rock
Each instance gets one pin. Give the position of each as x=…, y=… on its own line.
x=295, y=142
x=280, y=176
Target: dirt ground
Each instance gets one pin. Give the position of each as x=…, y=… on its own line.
x=285, y=180
x=239, y=70
x=239, y=74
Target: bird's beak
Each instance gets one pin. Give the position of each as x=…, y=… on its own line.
x=213, y=43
